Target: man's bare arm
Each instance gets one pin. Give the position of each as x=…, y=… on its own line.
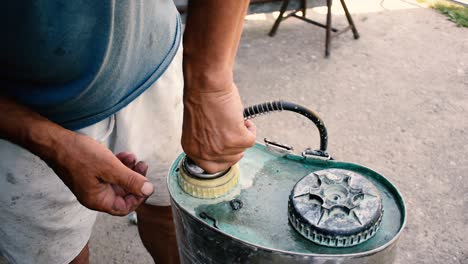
x=211, y=39
x=214, y=131
x=100, y=180
x=30, y=130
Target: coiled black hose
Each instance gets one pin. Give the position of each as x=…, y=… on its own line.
x=275, y=106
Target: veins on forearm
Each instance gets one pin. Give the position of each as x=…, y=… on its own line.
x=29, y=129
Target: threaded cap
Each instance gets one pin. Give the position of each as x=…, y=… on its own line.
x=335, y=208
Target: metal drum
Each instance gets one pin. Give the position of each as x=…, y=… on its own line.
x=289, y=208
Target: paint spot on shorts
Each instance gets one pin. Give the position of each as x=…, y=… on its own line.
x=14, y=199
x=11, y=178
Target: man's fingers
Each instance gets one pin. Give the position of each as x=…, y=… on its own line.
x=120, y=204
x=246, y=137
x=131, y=181
x=214, y=167
x=110, y=201
x=218, y=158
x=118, y=207
x=218, y=164
x=250, y=126
x=132, y=202
x=141, y=167
x=129, y=189
x=251, y=134
x=118, y=190
x=123, y=205
x=127, y=158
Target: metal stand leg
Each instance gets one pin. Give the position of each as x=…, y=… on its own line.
x=328, y=34
x=303, y=7
x=328, y=26
x=284, y=6
x=350, y=20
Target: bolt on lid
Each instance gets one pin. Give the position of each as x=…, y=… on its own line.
x=335, y=208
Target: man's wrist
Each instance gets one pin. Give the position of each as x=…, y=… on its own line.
x=200, y=82
x=47, y=140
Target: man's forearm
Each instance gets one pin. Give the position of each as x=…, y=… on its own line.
x=30, y=130
x=211, y=39
x=214, y=132
x=99, y=179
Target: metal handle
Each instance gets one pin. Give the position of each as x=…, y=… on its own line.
x=276, y=106
x=268, y=107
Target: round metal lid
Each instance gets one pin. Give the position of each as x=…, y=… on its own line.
x=335, y=208
x=195, y=171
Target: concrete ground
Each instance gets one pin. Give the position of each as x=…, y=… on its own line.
x=396, y=100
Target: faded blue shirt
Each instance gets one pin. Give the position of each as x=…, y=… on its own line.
x=79, y=61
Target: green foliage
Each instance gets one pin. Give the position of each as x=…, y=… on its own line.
x=455, y=13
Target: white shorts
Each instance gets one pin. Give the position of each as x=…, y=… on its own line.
x=40, y=219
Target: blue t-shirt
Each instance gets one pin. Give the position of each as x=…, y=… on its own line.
x=79, y=61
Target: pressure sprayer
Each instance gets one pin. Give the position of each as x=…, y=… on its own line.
x=275, y=206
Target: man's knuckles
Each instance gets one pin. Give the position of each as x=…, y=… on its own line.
x=214, y=167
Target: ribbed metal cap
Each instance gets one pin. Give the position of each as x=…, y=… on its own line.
x=335, y=208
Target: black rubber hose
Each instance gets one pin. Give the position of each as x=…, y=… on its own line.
x=256, y=110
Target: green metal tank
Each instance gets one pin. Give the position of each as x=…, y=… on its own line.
x=288, y=208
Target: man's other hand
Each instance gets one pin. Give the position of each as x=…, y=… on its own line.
x=100, y=180
x=214, y=133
